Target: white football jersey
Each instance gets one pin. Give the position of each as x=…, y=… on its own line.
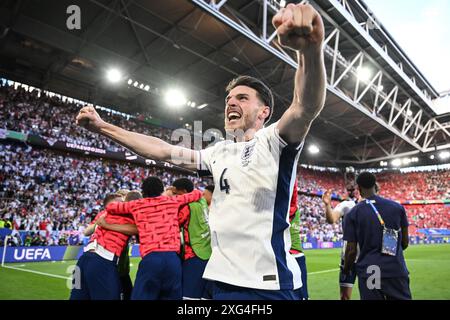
x=249, y=214
x=344, y=207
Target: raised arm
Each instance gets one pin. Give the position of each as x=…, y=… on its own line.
x=119, y=207
x=300, y=28
x=189, y=197
x=146, y=146
x=127, y=229
x=331, y=215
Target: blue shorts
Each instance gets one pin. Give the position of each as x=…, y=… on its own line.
x=223, y=291
x=158, y=277
x=95, y=278
x=347, y=280
x=194, y=286
x=127, y=287
x=302, y=293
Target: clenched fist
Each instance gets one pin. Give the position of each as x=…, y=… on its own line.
x=90, y=119
x=299, y=27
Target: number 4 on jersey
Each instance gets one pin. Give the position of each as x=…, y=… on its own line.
x=224, y=186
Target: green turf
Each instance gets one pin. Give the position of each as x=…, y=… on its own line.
x=429, y=267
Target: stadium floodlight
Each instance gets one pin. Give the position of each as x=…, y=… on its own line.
x=202, y=106
x=175, y=98
x=114, y=75
x=363, y=73
x=444, y=155
x=135, y=83
x=406, y=161
x=147, y=87
x=282, y=3
x=396, y=162
x=130, y=82
x=409, y=113
x=313, y=149
x=432, y=157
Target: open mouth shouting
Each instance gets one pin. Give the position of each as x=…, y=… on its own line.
x=233, y=116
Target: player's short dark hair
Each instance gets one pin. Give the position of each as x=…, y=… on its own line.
x=110, y=197
x=152, y=187
x=366, y=180
x=210, y=188
x=133, y=195
x=183, y=184
x=264, y=93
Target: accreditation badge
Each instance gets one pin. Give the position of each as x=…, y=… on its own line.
x=390, y=241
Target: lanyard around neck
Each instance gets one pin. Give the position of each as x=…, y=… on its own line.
x=376, y=212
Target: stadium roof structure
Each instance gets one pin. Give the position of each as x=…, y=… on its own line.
x=200, y=45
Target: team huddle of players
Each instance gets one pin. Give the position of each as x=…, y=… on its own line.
x=156, y=216
x=175, y=244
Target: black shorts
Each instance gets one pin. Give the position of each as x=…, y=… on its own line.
x=346, y=280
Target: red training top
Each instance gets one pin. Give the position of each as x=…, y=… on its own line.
x=156, y=219
x=111, y=240
x=293, y=209
x=183, y=219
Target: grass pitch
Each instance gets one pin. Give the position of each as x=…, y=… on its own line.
x=429, y=267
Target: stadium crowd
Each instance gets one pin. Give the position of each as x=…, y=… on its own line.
x=313, y=223
x=44, y=191
x=37, y=113
x=54, y=196
x=415, y=185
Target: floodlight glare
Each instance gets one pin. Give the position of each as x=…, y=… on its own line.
x=444, y=155
x=202, y=106
x=406, y=161
x=396, y=162
x=175, y=98
x=313, y=149
x=114, y=75
x=363, y=73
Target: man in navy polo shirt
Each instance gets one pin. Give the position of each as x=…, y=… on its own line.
x=380, y=227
